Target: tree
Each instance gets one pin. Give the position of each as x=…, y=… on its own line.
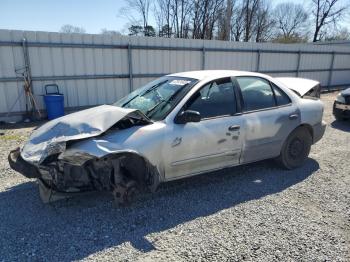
x=339, y=35
x=237, y=23
x=293, y=39
x=69, y=29
x=250, y=8
x=224, y=24
x=149, y=31
x=141, y=7
x=180, y=10
x=326, y=12
x=205, y=17
x=165, y=31
x=252, y=20
x=291, y=20
x=163, y=17
x=104, y=31
x=135, y=30
x=264, y=23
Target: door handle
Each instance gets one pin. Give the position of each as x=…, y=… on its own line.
x=177, y=141
x=293, y=116
x=234, y=128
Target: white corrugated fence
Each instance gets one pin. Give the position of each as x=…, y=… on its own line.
x=99, y=69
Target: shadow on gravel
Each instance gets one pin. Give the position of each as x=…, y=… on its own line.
x=10, y=126
x=79, y=227
x=341, y=125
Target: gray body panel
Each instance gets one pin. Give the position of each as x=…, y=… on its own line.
x=197, y=147
x=266, y=130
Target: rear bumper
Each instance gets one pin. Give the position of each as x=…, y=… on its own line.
x=18, y=164
x=318, y=131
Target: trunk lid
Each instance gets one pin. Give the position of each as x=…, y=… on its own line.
x=303, y=87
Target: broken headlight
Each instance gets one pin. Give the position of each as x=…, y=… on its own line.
x=340, y=99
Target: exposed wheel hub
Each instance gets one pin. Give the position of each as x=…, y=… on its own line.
x=296, y=148
x=125, y=194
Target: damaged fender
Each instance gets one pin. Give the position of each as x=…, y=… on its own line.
x=55, y=154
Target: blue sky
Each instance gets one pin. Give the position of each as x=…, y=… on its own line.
x=50, y=15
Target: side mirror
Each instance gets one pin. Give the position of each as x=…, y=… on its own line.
x=187, y=117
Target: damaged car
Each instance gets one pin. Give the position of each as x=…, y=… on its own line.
x=341, y=105
x=174, y=127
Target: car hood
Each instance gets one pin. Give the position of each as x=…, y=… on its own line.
x=300, y=85
x=51, y=138
x=345, y=92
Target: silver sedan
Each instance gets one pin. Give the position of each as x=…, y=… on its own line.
x=176, y=126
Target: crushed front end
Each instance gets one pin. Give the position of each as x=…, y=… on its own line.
x=61, y=175
x=341, y=106
x=123, y=175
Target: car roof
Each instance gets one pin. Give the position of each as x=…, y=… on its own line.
x=214, y=74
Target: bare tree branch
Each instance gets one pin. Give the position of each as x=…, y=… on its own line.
x=326, y=12
x=70, y=29
x=291, y=19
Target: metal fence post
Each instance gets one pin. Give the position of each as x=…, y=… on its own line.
x=330, y=76
x=203, y=58
x=130, y=67
x=258, y=61
x=298, y=63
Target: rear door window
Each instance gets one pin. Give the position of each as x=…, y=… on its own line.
x=256, y=92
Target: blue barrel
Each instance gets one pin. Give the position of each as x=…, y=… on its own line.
x=54, y=103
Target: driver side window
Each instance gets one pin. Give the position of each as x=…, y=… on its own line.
x=215, y=99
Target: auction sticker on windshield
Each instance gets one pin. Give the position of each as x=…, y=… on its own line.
x=179, y=82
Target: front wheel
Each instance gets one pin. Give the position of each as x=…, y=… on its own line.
x=296, y=148
x=338, y=117
x=337, y=113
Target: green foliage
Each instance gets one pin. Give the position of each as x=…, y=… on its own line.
x=149, y=31
x=138, y=30
x=293, y=39
x=166, y=31
x=135, y=30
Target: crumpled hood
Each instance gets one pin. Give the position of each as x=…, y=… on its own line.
x=51, y=137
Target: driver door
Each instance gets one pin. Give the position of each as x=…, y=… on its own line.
x=214, y=142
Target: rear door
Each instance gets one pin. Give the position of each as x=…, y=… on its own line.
x=212, y=143
x=269, y=117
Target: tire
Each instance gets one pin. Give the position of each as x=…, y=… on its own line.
x=131, y=192
x=337, y=113
x=295, y=149
x=338, y=117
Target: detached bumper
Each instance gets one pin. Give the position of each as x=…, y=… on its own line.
x=319, y=130
x=18, y=164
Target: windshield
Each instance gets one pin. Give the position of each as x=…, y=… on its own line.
x=157, y=98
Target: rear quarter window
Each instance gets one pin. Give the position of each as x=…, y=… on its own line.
x=281, y=97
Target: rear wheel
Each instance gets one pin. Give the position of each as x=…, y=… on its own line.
x=296, y=148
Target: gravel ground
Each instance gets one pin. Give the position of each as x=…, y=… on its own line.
x=253, y=212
